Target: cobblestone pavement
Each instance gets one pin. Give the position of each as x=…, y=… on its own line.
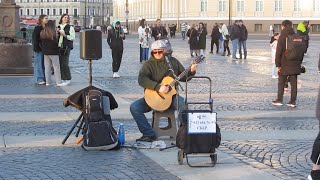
x=69, y=162
x=238, y=86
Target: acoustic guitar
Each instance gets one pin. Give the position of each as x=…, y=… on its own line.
x=162, y=101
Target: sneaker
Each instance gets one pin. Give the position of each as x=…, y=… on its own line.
x=62, y=84
x=49, y=84
x=309, y=177
x=147, y=138
x=211, y=52
x=41, y=83
x=114, y=75
x=223, y=54
x=314, y=175
x=305, y=54
x=274, y=77
x=67, y=81
x=229, y=54
x=277, y=103
x=291, y=104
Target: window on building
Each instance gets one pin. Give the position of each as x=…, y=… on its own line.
x=54, y=12
x=259, y=5
x=204, y=5
x=222, y=5
x=35, y=12
x=277, y=27
x=41, y=11
x=48, y=12
x=296, y=5
x=75, y=0
x=316, y=5
x=278, y=5
x=48, y=0
x=258, y=27
x=67, y=11
x=21, y=12
x=294, y=26
x=240, y=5
x=41, y=0
x=66, y=0
x=315, y=28
x=20, y=1
x=75, y=12
x=60, y=12
x=28, y=12
x=35, y=1
x=28, y=1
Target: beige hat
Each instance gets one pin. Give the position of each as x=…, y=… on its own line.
x=158, y=45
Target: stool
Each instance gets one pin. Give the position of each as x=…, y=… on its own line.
x=171, y=129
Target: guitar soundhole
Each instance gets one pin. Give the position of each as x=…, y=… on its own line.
x=170, y=88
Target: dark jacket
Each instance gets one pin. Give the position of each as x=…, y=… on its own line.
x=192, y=33
x=153, y=71
x=287, y=67
x=202, y=38
x=234, y=32
x=50, y=47
x=36, y=38
x=215, y=34
x=159, y=30
x=243, y=35
x=114, y=39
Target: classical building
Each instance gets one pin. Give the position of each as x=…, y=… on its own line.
x=98, y=11
x=257, y=15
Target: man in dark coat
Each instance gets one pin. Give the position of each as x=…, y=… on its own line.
x=234, y=36
x=159, y=32
x=243, y=39
x=192, y=34
x=287, y=69
x=215, y=36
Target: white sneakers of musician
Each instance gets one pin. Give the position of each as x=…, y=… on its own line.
x=116, y=75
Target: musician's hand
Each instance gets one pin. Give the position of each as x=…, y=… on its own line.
x=164, y=89
x=193, y=67
x=279, y=69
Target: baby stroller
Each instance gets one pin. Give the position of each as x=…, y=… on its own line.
x=199, y=133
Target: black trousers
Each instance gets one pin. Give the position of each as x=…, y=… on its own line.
x=64, y=64
x=140, y=53
x=281, y=85
x=116, y=58
x=307, y=45
x=226, y=46
x=216, y=42
x=316, y=150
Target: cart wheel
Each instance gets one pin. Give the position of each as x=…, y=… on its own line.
x=214, y=159
x=180, y=157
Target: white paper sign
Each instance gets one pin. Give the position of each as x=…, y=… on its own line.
x=199, y=123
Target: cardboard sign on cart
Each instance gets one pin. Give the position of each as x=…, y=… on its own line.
x=202, y=123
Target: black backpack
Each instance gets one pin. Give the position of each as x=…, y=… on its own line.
x=295, y=47
x=99, y=133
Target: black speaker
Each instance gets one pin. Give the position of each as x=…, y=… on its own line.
x=90, y=44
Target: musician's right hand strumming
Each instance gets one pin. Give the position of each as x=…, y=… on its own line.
x=164, y=89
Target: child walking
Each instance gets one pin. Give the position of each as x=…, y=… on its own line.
x=145, y=44
x=274, y=43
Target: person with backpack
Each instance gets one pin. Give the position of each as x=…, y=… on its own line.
x=115, y=42
x=288, y=62
x=243, y=39
x=150, y=77
x=234, y=36
x=67, y=36
x=315, y=155
x=303, y=30
x=215, y=36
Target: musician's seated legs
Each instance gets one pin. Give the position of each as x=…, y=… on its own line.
x=137, y=109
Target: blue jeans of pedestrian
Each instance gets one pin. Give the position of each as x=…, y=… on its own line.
x=183, y=33
x=274, y=71
x=38, y=69
x=235, y=44
x=145, y=54
x=244, y=45
x=139, y=107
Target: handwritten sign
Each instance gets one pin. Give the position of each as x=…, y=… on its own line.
x=200, y=123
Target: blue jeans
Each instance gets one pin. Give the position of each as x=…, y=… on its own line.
x=235, y=43
x=274, y=70
x=244, y=45
x=139, y=107
x=38, y=69
x=183, y=33
x=145, y=54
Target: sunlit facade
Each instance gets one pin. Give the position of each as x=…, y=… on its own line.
x=258, y=15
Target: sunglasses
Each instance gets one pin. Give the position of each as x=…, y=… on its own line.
x=157, y=52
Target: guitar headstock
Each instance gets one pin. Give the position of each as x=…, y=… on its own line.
x=199, y=59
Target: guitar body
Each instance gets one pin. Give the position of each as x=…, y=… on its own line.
x=155, y=101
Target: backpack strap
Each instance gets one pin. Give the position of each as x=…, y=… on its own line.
x=318, y=160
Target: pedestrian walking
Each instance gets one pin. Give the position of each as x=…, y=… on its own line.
x=184, y=28
x=221, y=43
x=115, y=42
x=38, y=69
x=67, y=36
x=303, y=29
x=49, y=44
x=141, y=32
x=315, y=154
x=274, y=72
x=146, y=42
x=234, y=36
x=243, y=39
x=288, y=69
x=215, y=36
x=225, y=34
x=192, y=34
x=202, y=39
x=159, y=31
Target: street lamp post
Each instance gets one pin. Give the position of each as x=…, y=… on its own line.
x=85, y=13
x=230, y=8
x=127, y=15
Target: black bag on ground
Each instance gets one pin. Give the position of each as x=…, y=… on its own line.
x=295, y=47
x=196, y=143
x=99, y=133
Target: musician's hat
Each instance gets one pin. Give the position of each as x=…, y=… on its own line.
x=159, y=44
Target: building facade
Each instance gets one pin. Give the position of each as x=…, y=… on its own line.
x=98, y=11
x=257, y=15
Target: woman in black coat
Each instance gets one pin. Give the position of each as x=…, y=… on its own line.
x=192, y=34
x=202, y=38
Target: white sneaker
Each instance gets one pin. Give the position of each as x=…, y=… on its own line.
x=62, y=84
x=67, y=81
x=117, y=74
x=305, y=54
x=41, y=82
x=114, y=75
x=47, y=84
x=274, y=77
x=309, y=177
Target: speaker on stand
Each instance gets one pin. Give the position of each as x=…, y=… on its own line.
x=90, y=47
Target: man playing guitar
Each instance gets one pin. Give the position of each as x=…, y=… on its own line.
x=150, y=76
